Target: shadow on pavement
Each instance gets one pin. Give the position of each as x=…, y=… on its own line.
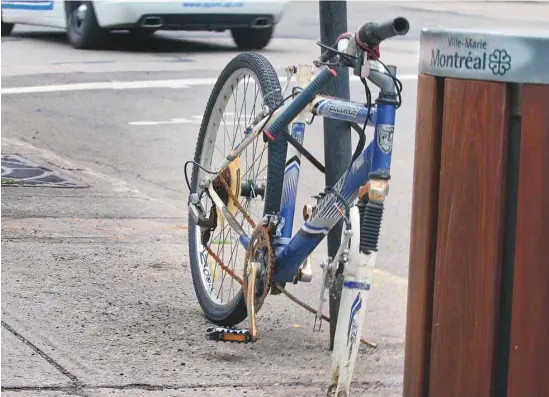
x=125, y=42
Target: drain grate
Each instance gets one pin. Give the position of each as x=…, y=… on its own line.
x=20, y=172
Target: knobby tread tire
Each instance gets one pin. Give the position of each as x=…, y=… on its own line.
x=272, y=97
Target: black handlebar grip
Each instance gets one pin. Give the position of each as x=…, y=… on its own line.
x=372, y=33
x=300, y=102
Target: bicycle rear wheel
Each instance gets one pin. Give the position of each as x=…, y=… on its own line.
x=255, y=177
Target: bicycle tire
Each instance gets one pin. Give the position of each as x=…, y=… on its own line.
x=230, y=315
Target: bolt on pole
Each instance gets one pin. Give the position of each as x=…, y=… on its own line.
x=337, y=134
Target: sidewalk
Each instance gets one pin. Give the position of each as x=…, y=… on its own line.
x=97, y=300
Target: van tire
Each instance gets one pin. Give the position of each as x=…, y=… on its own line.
x=6, y=28
x=252, y=38
x=84, y=33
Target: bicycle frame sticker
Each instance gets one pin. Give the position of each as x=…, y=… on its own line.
x=339, y=109
x=385, y=137
x=353, y=325
x=298, y=132
x=289, y=187
x=357, y=164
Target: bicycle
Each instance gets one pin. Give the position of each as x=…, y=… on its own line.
x=219, y=200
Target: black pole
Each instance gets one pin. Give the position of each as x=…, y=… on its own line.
x=337, y=134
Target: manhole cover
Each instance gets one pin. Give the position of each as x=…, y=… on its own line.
x=17, y=171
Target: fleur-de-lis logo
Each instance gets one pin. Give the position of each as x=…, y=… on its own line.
x=499, y=62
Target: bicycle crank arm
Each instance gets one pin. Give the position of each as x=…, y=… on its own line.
x=250, y=299
x=236, y=335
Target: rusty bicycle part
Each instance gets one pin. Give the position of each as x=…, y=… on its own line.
x=259, y=247
x=259, y=241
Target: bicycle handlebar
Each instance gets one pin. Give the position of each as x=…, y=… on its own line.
x=371, y=33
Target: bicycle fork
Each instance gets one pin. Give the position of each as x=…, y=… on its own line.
x=365, y=218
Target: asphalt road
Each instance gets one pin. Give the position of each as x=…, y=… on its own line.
x=97, y=297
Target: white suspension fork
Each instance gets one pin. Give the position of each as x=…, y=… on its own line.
x=357, y=276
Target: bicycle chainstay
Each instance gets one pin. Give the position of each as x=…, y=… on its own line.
x=259, y=241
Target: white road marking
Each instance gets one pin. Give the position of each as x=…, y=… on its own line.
x=171, y=121
x=127, y=85
x=106, y=85
x=196, y=119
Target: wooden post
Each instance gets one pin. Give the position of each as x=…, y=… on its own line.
x=478, y=293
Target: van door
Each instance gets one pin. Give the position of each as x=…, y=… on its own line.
x=34, y=12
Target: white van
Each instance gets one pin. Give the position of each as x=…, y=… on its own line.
x=88, y=22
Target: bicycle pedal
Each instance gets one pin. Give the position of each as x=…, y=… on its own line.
x=226, y=334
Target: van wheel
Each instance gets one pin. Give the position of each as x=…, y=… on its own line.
x=6, y=28
x=252, y=38
x=83, y=30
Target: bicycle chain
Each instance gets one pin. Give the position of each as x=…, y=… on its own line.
x=261, y=234
x=229, y=271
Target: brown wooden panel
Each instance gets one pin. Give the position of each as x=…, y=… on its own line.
x=423, y=235
x=529, y=355
x=469, y=240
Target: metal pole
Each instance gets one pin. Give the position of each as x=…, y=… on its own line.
x=337, y=134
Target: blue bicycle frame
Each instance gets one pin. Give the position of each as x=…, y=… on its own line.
x=374, y=159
